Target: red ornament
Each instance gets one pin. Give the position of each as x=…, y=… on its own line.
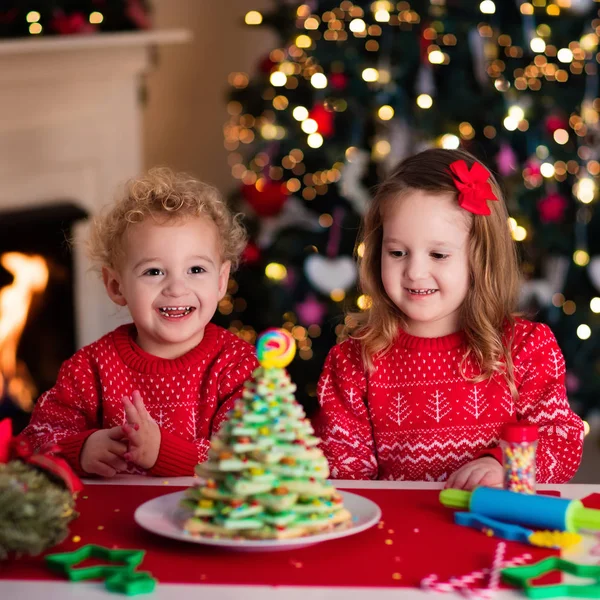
x=266, y=64
x=268, y=201
x=138, y=14
x=554, y=122
x=324, y=119
x=552, y=208
x=338, y=81
x=251, y=254
x=69, y=24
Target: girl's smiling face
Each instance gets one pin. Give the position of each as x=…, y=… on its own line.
x=425, y=260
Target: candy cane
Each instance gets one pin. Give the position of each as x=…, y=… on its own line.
x=462, y=584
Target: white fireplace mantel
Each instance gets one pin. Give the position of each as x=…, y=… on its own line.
x=70, y=131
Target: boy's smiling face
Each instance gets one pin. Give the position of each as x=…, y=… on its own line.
x=171, y=278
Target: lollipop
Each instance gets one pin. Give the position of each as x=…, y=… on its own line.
x=275, y=348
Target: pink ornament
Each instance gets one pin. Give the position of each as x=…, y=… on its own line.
x=572, y=382
x=552, y=208
x=290, y=279
x=310, y=311
x=506, y=159
x=532, y=167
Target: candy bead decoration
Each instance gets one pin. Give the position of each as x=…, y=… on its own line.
x=519, y=443
x=519, y=468
x=275, y=348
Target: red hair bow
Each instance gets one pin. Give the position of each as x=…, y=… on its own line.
x=18, y=448
x=473, y=187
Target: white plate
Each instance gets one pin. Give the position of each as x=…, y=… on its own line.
x=164, y=516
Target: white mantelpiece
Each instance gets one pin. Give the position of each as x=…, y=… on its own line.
x=70, y=130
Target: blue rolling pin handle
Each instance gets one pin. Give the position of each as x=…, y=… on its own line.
x=506, y=531
x=538, y=512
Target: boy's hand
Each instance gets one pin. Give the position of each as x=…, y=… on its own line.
x=485, y=471
x=102, y=453
x=142, y=431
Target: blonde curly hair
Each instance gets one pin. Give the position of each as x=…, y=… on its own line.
x=491, y=301
x=166, y=196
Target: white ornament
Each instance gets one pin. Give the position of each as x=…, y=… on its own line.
x=293, y=214
x=542, y=290
x=328, y=274
x=351, y=186
x=581, y=7
x=594, y=271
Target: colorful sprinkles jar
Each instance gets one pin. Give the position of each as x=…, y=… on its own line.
x=519, y=443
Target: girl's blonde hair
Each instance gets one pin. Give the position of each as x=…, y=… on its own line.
x=164, y=196
x=492, y=295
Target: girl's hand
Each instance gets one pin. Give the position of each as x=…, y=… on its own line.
x=142, y=431
x=102, y=453
x=486, y=471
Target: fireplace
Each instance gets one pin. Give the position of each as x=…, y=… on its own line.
x=70, y=134
x=37, y=328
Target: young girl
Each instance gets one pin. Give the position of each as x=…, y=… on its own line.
x=439, y=363
x=146, y=397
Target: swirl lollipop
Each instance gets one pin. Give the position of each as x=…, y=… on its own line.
x=275, y=348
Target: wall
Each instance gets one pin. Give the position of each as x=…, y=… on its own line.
x=187, y=91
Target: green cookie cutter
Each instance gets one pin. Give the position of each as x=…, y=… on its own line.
x=131, y=584
x=521, y=576
x=65, y=562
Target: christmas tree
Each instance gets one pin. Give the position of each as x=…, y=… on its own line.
x=353, y=88
x=265, y=477
x=64, y=17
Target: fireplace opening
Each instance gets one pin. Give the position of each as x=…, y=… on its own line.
x=37, y=310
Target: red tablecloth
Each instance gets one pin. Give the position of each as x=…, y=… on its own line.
x=415, y=538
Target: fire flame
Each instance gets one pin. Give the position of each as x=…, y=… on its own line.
x=30, y=276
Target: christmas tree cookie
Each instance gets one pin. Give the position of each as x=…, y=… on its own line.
x=265, y=478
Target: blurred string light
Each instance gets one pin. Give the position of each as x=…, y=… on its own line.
x=581, y=258
x=584, y=332
x=96, y=18
x=595, y=305
x=319, y=81
x=518, y=232
x=276, y=271
x=449, y=141
x=385, y=112
x=487, y=7
x=370, y=74
x=424, y=101
x=253, y=17
x=300, y=113
x=585, y=190
x=33, y=16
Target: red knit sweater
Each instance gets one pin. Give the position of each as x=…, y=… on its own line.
x=416, y=418
x=187, y=396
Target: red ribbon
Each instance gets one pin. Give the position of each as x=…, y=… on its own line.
x=19, y=448
x=474, y=189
